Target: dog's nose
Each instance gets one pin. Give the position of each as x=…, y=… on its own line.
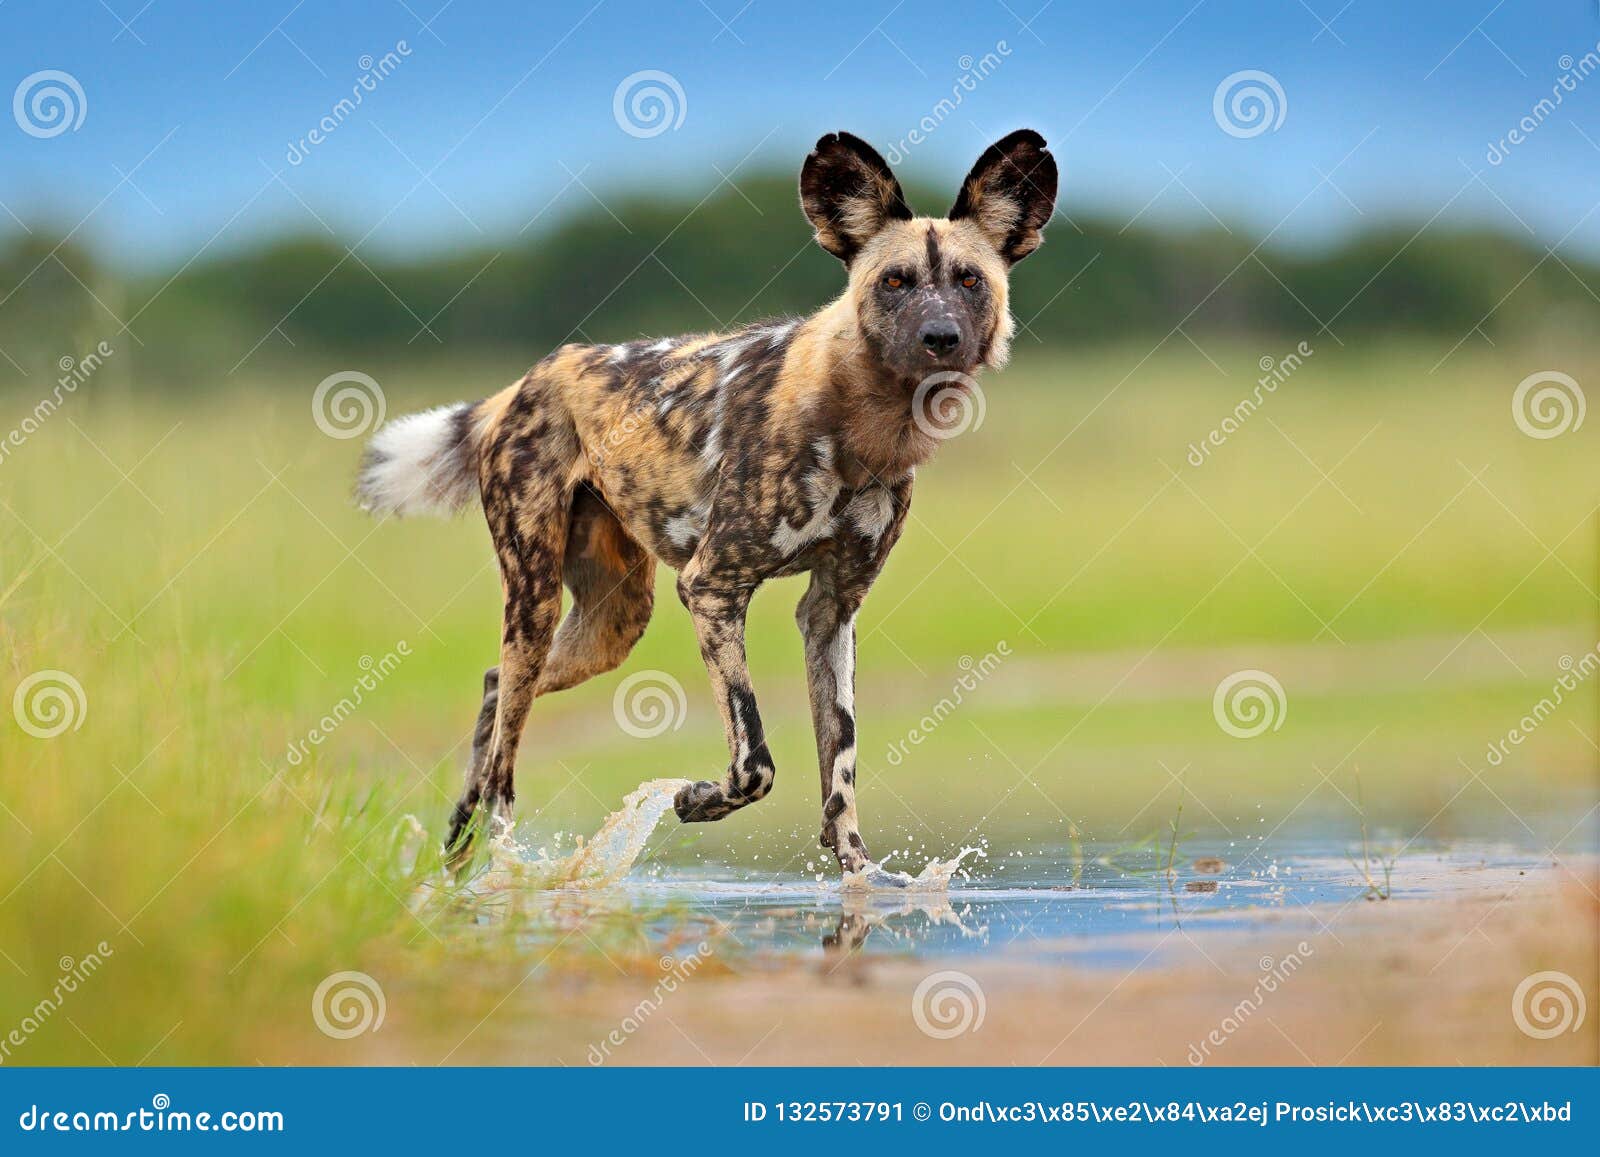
x=939, y=337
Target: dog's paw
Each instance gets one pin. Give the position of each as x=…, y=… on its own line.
x=700, y=802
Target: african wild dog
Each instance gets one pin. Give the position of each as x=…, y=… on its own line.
x=733, y=458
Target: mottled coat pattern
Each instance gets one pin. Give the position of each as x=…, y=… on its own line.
x=779, y=448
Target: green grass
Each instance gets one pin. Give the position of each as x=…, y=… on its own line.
x=197, y=567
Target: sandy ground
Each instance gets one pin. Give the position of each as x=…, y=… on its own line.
x=1374, y=983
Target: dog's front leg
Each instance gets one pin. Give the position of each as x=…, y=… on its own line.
x=827, y=619
x=718, y=611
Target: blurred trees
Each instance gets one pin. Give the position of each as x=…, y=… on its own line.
x=659, y=265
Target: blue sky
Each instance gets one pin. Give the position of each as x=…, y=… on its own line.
x=499, y=114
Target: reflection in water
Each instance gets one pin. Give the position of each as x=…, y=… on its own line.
x=863, y=912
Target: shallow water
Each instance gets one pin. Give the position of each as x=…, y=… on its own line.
x=1098, y=904
x=1056, y=906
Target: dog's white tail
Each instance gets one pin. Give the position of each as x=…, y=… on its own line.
x=423, y=463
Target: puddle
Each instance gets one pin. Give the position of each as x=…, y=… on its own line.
x=1050, y=907
x=1046, y=907
x=1092, y=904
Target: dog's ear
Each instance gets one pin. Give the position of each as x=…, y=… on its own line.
x=1010, y=193
x=848, y=192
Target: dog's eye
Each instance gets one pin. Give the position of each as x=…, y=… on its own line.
x=893, y=281
x=970, y=281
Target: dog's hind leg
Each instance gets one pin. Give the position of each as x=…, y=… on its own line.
x=612, y=581
x=532, y=605
x=526, y=500
x=483, y=729
x=530, y=573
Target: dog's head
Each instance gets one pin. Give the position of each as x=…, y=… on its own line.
x=930, y=293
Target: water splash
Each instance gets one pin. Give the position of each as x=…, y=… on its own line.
x=601, y=860
x=934, y=877
x=608, y=856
